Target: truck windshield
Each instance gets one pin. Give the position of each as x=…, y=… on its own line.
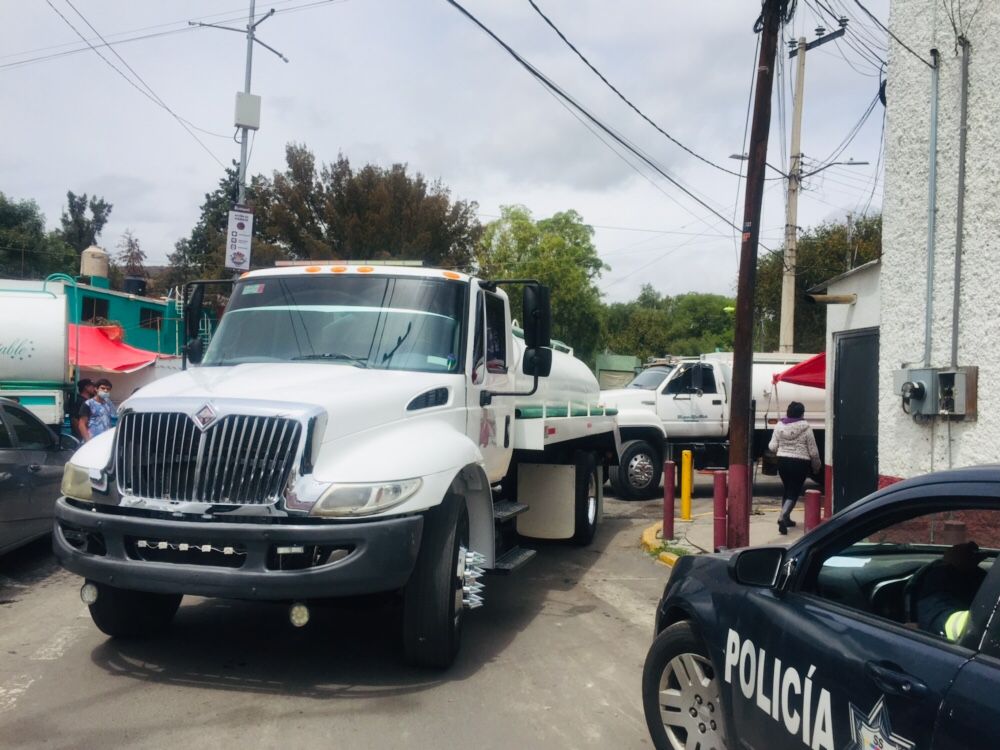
x=648, y=380
x=379, y=322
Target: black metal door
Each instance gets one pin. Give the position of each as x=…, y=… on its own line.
x=855, y=416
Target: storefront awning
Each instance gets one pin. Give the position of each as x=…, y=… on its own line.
x=810, y=372
x=97, y=348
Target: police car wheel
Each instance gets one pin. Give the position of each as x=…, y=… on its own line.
x=680, y=693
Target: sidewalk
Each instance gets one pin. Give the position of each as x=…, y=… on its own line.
x=696, y=536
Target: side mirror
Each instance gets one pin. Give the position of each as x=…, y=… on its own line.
x=192, y=311
x=758, y=566
x=195, y=350
x=68, y=443
x=537, y=317
x=537, y=362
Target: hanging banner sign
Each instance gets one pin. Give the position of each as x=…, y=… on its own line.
x=238, y=240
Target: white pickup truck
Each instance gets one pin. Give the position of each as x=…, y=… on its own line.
x=684, y=405
x=349, y=430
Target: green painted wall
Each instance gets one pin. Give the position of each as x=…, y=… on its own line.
x=159, y=334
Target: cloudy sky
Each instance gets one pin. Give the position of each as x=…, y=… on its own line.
x=414, y=81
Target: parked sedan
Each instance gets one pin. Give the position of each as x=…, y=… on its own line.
x=877, y=630
x=31, y=468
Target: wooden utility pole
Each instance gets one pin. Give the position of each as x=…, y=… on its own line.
x=740, y=426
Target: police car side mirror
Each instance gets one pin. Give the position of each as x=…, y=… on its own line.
x=758, y=566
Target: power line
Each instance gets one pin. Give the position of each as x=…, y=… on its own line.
x=889, y=32
x=568, y=99
x=130, y=81
x=153, y=35
x=623, y=97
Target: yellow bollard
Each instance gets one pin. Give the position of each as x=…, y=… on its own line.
x=687, y=478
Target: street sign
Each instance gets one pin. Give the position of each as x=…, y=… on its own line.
x=238, y=239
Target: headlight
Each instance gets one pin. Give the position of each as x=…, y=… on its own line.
x=364, y=499
x=76, y=482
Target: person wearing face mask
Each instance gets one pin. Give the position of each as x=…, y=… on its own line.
x=101, y=409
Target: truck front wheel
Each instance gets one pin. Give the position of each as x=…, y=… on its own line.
x=637, y=476
x=432, y=599
x=124, y=613
x=586, y=505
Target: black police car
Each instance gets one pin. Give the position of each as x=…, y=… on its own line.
x=880, y=630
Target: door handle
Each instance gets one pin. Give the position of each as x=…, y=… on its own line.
x=34, y=468
x=716, y=402
x=892, y=679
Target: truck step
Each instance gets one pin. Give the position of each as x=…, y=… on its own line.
x=504, y=510
x=510, y=561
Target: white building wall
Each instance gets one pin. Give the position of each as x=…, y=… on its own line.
x=862, y=314
x=907, y=448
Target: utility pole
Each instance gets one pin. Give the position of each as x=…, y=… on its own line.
x=239, y=232
x=740, y=428
x=786, y=332
x=247, y=104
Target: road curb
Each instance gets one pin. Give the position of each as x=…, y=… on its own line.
x=652, y=540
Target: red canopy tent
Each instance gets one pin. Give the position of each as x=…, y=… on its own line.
x=810, y=372
x=99, y=348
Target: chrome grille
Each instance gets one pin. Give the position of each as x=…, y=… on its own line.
x=238, y=460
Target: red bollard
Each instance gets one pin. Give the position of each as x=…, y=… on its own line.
x=721, y=491
x=669, y=467
x=813, y=501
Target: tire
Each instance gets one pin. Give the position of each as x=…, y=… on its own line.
x=637, y=476
x=586, y=506
x=124, y=613
x=681, y=693
x=432, y=599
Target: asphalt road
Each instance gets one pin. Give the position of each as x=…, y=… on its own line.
x=553, y=660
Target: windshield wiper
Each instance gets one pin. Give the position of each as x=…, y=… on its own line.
x=388, y=355
x=357, y=361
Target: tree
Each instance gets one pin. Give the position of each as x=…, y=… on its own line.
x=26, y=249
x=335, y=212
x=559, y=252
x=823, y=252
x=131, y=257
x=201, y=255
x=79, y=231
x=686, y=325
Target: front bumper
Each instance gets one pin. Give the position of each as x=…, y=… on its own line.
x=103, y=546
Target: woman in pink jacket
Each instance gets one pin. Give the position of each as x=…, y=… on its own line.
x=795, y=445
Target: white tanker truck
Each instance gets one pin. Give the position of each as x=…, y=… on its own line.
x=349, y=430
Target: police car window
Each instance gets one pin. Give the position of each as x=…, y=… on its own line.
x=923, y=572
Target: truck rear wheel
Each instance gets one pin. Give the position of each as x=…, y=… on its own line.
x=637, y=476
x=432, y=599
x=124, y=613
x=586, y=505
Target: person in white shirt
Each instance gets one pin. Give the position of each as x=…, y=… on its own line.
x=795, y=445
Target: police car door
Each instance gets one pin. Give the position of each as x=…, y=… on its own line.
x=971, y=713
x=832, y=662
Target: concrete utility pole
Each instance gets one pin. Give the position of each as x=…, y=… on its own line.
x=786, y=332
x=740, y=426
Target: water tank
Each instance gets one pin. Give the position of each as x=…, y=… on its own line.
x=135, y=285
x=94, y=262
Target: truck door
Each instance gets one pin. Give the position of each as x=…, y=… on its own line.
x=691, y=402
x=491, y=370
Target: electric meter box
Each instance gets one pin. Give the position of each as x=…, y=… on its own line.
x=956, y=391
x=247, y=111
x=918, y=387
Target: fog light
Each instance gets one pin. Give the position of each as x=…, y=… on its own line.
x=298, y=614
x=88, y=593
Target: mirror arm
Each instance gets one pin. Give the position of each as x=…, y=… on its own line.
x=486, y=397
